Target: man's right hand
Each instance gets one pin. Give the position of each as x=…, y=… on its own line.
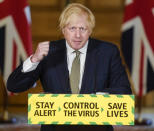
x=41, y=51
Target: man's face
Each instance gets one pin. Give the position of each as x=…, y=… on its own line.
x=77, y=32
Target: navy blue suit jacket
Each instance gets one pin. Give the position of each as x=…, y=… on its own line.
x=103, y=72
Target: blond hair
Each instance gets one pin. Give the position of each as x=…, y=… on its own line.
x=77, y=9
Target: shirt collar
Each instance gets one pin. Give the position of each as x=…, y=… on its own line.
x=82, y=50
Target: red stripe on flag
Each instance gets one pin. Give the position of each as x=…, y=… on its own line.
x=141, y=72
x=130, y=12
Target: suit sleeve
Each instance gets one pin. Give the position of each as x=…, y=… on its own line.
x=118, y=82
x=19, y=81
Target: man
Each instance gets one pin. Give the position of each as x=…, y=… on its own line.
x=96, y=64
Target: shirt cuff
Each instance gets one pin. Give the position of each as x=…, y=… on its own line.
x=29, y=66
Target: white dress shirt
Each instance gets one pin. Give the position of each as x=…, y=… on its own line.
x=71, y=56
x=29, y=66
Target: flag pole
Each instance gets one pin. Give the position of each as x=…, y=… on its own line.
x=138, y=121
x=139, y=100
x=5, y=115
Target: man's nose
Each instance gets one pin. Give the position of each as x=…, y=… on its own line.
x=78, y=33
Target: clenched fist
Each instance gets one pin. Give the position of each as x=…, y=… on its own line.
x=41, y=51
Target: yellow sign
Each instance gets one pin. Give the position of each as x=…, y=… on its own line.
x=81, y=109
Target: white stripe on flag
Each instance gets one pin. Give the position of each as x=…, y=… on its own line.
x=127, y=2
x=153, y=11
x=1, y=1
x=27, y=13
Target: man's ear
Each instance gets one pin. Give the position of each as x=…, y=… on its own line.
x=90, y=32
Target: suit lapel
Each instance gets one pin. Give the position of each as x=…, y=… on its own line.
x=61, y=67
x=88, y=81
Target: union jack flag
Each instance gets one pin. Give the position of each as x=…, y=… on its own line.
x=138, y=43
x=15, y=35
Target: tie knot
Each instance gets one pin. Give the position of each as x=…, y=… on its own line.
x=77, y=53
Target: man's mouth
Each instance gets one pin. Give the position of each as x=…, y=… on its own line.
x=77, y=41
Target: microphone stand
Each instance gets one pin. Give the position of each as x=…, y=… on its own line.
x=5, y=115
x=140, y=120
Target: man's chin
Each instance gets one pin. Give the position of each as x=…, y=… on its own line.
x=77, y=47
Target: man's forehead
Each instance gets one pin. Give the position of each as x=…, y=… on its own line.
x=75, y=19
x=77, y=16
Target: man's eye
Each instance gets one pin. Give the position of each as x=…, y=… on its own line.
x=73, y=28
x=82, y=29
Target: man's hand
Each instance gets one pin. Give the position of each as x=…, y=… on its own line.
x=41, y=51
